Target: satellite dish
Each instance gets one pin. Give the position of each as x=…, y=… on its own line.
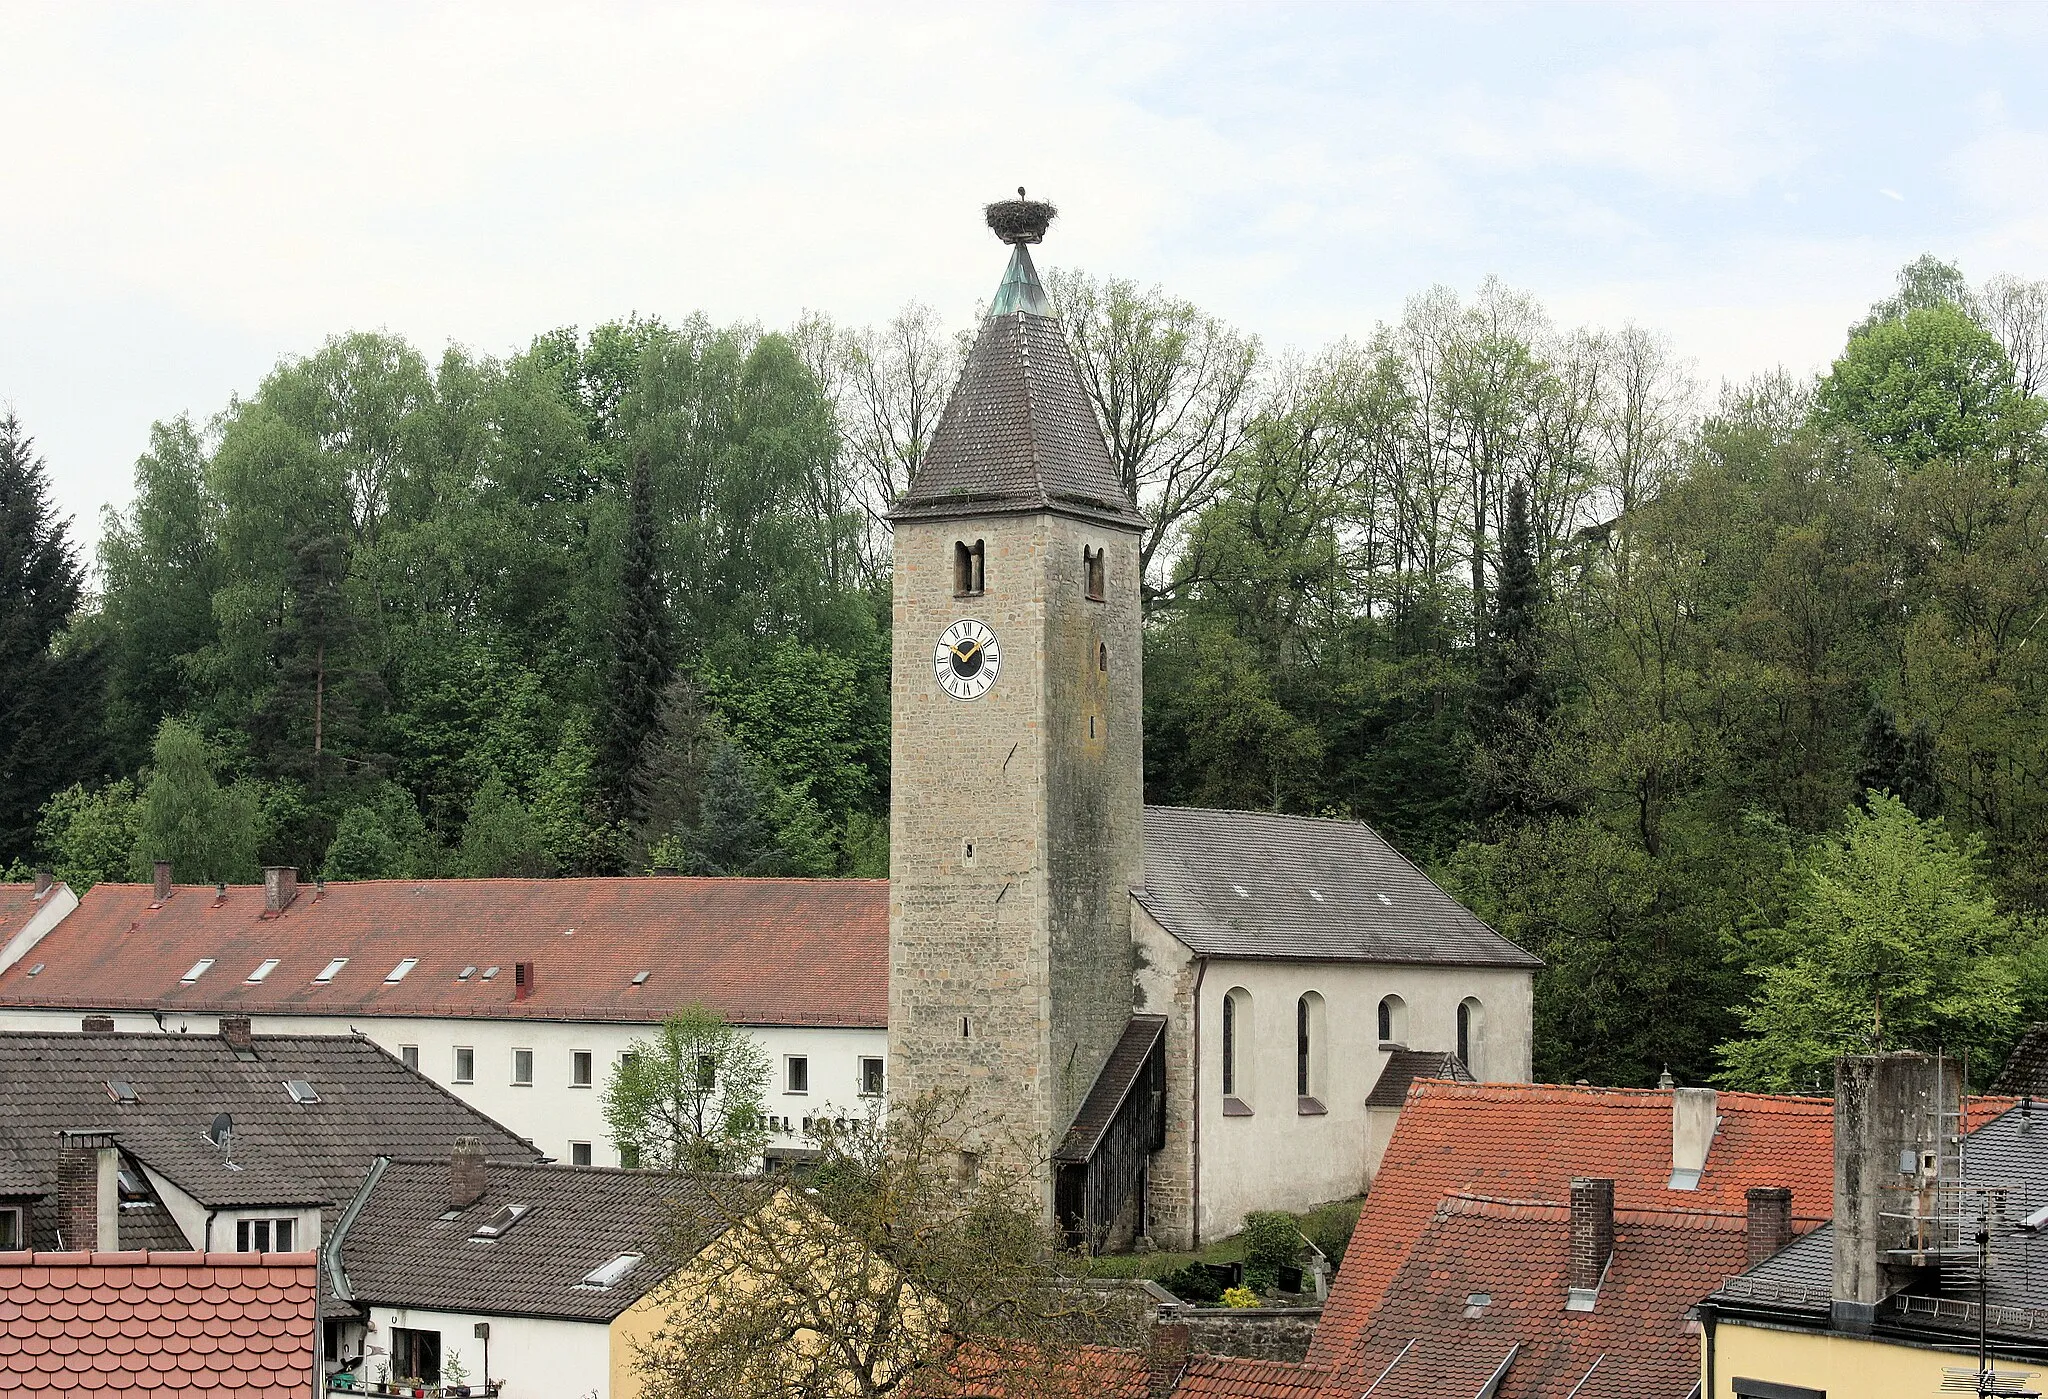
x=222, y=1131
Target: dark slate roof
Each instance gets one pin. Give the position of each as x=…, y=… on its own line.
x=1118, y=1080
x=1254, y=884
x=1018, y=434
x=288, y=1153
x=1404, y=1066
x=2010, y=1150
x=2026, y=1068
x=17, y=1179
x=401, y=1252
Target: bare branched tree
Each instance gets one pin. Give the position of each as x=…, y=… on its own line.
x=1174, y=389
x=895, y=1265
x=894, y=386
x=2016, y=311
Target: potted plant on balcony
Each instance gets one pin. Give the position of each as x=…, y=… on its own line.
x=454, y=1376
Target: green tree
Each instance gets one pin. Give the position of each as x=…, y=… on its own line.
x=206, y=831
x=641, y=659
x=734, y=833
x=691, y=1096
x=89, y=834
x=501, y=839
x=1899, y=763
x=1891, y=940
x=1512, y=703
x=1932, y=384
x=49, y=691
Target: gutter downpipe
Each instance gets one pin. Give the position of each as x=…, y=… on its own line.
x=1709, y=1321
x=331, y=1254
x=1195, y=1120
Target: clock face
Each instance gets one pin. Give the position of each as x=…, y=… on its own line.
x=966, y=659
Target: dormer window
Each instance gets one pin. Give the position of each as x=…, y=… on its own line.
x=968, y=571
x=1091, y=566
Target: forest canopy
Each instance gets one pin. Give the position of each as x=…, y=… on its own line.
x=1648, y=676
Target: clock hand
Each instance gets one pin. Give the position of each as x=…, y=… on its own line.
x=968, y=654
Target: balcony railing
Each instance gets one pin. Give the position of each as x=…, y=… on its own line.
x=353, y=1385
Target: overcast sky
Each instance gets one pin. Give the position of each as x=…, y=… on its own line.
x=193, y=192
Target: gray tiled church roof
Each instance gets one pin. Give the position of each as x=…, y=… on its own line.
x=1404, y=1066
x=1253, y=884
x=1018, y=434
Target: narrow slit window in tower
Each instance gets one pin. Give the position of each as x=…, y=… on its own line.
x=968, y=573
x=1091, y=560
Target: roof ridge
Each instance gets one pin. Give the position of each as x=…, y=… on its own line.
x=1614, y=1096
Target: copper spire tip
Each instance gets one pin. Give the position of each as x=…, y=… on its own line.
x=1020, y=220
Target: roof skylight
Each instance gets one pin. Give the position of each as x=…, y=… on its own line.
x=36, y=970
x=608, y=1274
x=504, y=1219
x=330, y=971
x=268, y=966
x=301, y=1091
x=198, y=970
x=121, y=1091
x=490, y=972
x=398, y=972
x=1476, y=1303
x=639, y=978
x=466, y=973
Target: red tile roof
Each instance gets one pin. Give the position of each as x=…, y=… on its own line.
x=116, y=1324
x=17, y=906
x=1527, y=1141
x=1227, y=1377
x=760, y=951
x=1634, y=1344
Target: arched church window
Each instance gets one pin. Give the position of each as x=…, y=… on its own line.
x=1393, y=1020
x=1237, y=1034
x=968, y=571
x=1102, y=656
x=1091, y=563
x=1471, y=1035
x=1310, y=1052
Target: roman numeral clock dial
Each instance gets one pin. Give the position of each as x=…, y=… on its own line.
x=966, y=659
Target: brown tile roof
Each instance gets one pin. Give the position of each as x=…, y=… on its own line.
x=1527, y=1141
x=18, y=904
x=1633, y=1344
x=1018, y=433
x=1253, y=884
x=283, y=1152
x=760, y=951
x=2026, y=1068
x=1404, y=1066
x=122, y=1324
x=400, y=1251
x=1230, y=1377
x=1118, y=1079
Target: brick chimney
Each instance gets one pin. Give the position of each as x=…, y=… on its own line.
x=465, y=1173
x=163, y=880
x=280, y=887
x=97, y=1025
x=1889, y=1121
x=88, y=1191
x=1694, y=1115
x=1770, y=1220
x=522, y=980
x=235, y=1030
x=1592, y=1241
x=44, y=880
x=1166, y=1357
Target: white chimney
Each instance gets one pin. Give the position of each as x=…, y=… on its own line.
x=1694, y=1116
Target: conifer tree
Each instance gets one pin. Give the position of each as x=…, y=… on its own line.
x=49, y=694
x=642, y=663
x=1899, y=763
x=1512, y=694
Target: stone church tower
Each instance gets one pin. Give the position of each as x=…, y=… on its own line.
x=1016, y=827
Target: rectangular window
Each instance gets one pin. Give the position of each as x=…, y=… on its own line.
x=415, y=1355
x=799, y=1076
x=579, y=1069
x=10, y=1230
x=465, y=1064
x=264, y=1235
x=522, y=1068
x=968, y=571
x=871, y=1077
x=409, y=1055
x=579, y=1153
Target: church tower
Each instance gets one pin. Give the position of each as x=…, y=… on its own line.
x=1016, y=824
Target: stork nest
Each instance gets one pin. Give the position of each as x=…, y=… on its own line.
x=1020, y=220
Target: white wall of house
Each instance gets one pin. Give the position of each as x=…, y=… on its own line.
x=552, y=1111
x=1279, y=1157
x=530, y=1356
x=214, y=1230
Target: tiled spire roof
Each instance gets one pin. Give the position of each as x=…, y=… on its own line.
x=1019, y=434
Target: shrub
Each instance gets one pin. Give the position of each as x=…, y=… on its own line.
x=1240, y=1297
x=1195, y=1284
x=1271, y=1242
x=1329, y=1227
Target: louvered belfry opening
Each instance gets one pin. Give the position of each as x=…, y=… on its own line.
x=1100, y=1170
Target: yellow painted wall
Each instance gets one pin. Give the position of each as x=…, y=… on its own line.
x=1841, y=1365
